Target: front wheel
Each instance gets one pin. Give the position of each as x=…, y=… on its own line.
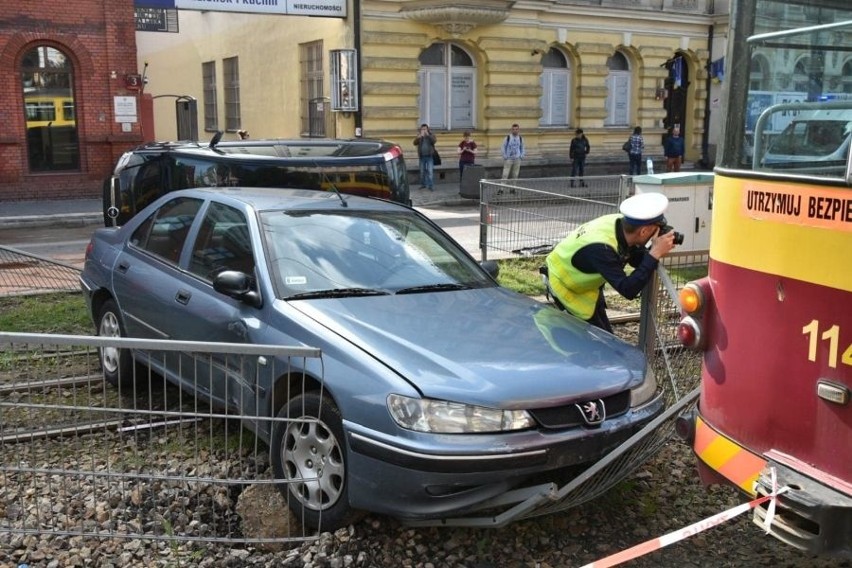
x=117, y=363
x=309, y=453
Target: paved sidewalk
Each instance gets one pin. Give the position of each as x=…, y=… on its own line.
x=75, y=212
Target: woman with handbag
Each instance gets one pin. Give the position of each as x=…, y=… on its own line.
x=425, y=143
x=634, y=147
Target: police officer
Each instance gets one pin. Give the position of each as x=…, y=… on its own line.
x=597, y=252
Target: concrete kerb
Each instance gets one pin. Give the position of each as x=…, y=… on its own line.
x=55, y=220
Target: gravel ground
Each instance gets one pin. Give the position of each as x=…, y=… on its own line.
x=663, y=495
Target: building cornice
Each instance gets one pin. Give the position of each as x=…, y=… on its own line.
x=458, y=19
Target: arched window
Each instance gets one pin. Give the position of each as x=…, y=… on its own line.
x=759, y=78
x=47, y=77
x=800, y=75
x=446, y=80
x=555, y=89
x=617, y=91
x=847, y=77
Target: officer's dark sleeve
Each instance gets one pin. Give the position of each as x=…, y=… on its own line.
x=604, y=260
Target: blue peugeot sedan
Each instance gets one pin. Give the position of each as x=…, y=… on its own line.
x=437, y=388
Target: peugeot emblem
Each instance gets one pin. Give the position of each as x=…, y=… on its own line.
x=593, y=412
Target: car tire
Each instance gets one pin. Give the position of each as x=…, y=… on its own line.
x=310, y=445
x=116, y=363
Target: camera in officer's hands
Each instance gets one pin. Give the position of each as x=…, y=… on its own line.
x=678, y=237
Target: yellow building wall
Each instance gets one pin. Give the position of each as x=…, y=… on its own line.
x=269, y=72
x=507, y=57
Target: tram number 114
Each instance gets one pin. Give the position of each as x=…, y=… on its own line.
x=832, y=336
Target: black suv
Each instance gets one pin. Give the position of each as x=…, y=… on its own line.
x=358, y=166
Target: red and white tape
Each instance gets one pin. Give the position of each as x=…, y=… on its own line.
x=693, y=529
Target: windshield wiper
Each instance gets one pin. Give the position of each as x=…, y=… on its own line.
x=338, y=293
x=435, y=288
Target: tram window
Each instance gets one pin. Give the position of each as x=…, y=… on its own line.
x=815, y=142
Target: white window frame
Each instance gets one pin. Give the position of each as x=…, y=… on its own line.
x=231, y=76
x=435, y=102
x=556, y=82
x=210, y=102
x=619, y=90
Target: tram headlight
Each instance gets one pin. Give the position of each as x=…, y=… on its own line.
x=691, y=298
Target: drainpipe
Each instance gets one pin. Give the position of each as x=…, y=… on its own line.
x=356, y=15
x=705, y=137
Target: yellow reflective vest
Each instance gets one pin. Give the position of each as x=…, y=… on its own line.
x=576, y=290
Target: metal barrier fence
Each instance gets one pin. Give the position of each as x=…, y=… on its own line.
x=82, y=458
x=528, y=216
x=26, y=273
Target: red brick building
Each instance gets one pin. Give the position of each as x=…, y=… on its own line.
x=69, y=86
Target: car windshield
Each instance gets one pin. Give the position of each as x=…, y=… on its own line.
x=324, y=254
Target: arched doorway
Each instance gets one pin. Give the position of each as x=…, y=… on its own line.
x=677, y=86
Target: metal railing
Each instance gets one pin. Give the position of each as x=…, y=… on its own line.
x=529, y=216
x=25, y=273
x=80, y=457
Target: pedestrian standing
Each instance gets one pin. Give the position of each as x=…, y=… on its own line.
x=467, y=153
x=425, y=143
x=513, y=153
x=577, y=152
x=637, y=146
x=673, y=150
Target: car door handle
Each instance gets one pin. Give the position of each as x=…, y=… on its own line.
x=123, y=267
x=183, y=296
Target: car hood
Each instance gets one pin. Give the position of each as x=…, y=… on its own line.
x=491, y=346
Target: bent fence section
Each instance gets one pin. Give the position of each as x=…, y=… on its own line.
x=25, y=273
x=677, y=371
x=81, y=457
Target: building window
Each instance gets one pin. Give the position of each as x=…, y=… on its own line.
x=846, y=77
x=310, y=62
x=759, y=77
x=231, y=76
x=801, y=81
x=446, y=80
x=617, y=91
x=555, y=89
x=211, y=110
x=47, y=78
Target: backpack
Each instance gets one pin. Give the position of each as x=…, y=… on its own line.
x=521, y=141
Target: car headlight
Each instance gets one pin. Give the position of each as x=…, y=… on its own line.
x=646, y=391
x=444, y=417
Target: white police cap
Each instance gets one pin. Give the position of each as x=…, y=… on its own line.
x=644, y=208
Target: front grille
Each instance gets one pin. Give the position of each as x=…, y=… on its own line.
x=569, y=416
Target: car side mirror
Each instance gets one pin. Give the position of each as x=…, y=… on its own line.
x=237, y=285
x=491, y=267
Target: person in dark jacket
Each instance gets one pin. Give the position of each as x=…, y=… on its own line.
x=425, y=142
x=578, y=151
x=673, y=150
